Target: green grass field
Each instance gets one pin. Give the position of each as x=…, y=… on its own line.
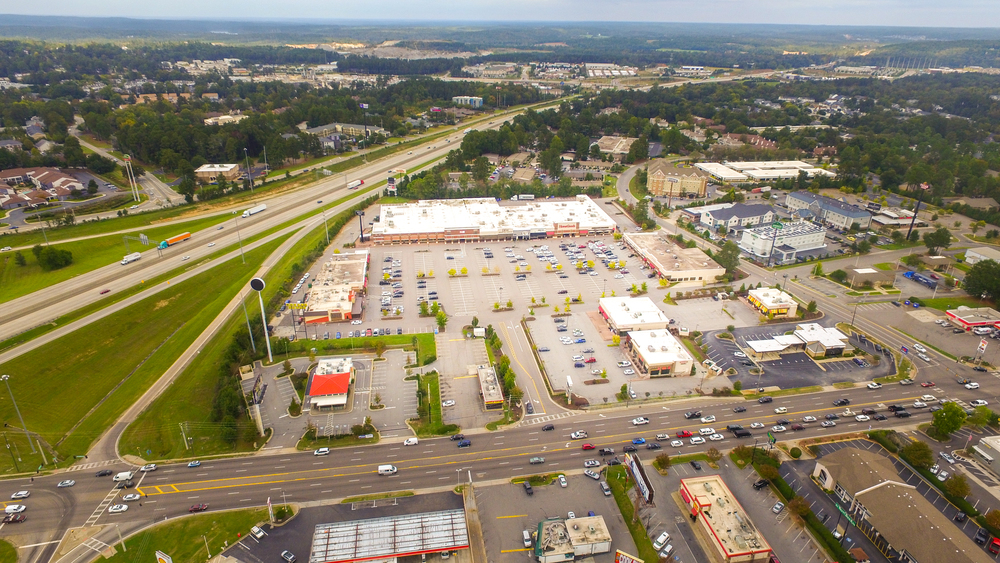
x=92, y=375
x=946, y=303
x=617, y=480
x=181, y=538
x=8, y=554
x=88, y=255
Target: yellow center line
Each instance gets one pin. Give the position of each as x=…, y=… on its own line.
x=465, y=376
x=513, y=516
x=515, y=550
x=436, y=462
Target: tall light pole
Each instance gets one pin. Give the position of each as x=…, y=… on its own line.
x=249, y=172
x=361, y=223
x=250, y=330
x=257, y=284
x=6, y=379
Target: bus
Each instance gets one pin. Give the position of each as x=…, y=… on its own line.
x=355, y=184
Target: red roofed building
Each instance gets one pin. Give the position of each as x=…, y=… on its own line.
x=330, y=384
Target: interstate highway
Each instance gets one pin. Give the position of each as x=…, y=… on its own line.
x=302, y=477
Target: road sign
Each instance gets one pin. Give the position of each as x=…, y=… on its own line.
x=777, y=226
x=298, y=306
x=771, y=438
x=982, y=345
x=163, y=558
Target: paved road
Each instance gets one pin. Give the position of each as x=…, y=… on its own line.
x=242, y=482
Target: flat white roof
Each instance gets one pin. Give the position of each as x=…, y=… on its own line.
x=721, y=171
x=769, y=165
x=828, y=337
x=624, y=311
x=338, y=281
x=216, y=167
x=771, y=298
x=659, y=347
x=708, y=208
x=866, y=270
x=491, y=218
x=761, y=346
x=330, y=366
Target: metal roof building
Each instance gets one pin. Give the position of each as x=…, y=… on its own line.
x=389, y=537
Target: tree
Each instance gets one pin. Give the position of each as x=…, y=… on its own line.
x=475, y=322
x=949, y=418
x=811, y=307
x=423, y=309
x=937, y=240
x=623, y=392
x=287, y=366
x=19, y=259
x=663, y=461
x=799, y=506
x=713, y=455
x=464, y=270
x=838, y=276
x=957, y=485
x=983, y=279
x=919, y=454
x=728, y=257
x=92, y=187
x=768, y=472
x=993, y=518
x=379, y=348
x=52, y=258
x=442, y=319
x=981, y=416
x=737, y=385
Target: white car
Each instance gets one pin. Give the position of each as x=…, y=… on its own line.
x=928, y=398
x=591, y=463
x=739, y=354
x=924, y=357
x=578, y=358
x=709, y=418
x=20, y=495
x=629, y=372
x=979, y=403
x=639, y=421
x=756, y=425
x=578, y=435
x=778, y=428
x=706, y=431
x=919, y=348
x=695, y=440
x=919, y=405
x=4, y=249
x=716, y=437
x=676, y=443
x=943, y=476
x=780, y=410
x=828, y=424
x=619, y=276
x=211, y=244
x=117, y=508
x=185, y=258
x=130, y=497
x=410, y=442
x=322, y=451
x=66, y=483
x=356, y=322
x=448, y=403
x=808, y=419
x=148, y=467
x=562, y=481
x=874, y=385
x=972, y=385
x=862, y=418
x=661, y=540
x=624, y=364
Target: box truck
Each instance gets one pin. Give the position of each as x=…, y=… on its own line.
x=254, y=210
x=175, y=239
x=129, y=258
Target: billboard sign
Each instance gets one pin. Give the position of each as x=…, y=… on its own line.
x=982, y=345
x=622, y=557
x=163, y=558
x=258, y=389
x=634, y=465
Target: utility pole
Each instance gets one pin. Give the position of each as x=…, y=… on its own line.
x=12, y=458
x=916, y=209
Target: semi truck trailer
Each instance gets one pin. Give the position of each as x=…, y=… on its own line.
x=129, y=258
x=254, y=210
x=175, y=239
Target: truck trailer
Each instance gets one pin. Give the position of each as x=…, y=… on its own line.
x=254, y=210
x=129, y=258
x=175, y=239
x=355, y=184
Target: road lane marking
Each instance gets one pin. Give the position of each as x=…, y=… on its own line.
x=513, y=516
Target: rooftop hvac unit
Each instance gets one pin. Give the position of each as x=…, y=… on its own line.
x=652, y=334
x=651, y=348
x=663, y=348
x=708, y=487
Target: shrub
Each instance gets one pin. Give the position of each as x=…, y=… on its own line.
x=795, y=453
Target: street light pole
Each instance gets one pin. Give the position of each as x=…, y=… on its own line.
x=250, y=330
x=361, y=223
x=257, y=284
x=6, y=379
x=249, y=173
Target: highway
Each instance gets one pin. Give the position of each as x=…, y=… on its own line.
x=433, y=463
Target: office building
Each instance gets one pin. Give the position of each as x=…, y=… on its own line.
x=738, y=216
x=624, y=314
x=662, y=180
x=785, y=243
x=830, y=211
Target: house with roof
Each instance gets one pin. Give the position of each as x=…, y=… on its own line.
x=329, y=384
x=738, y=216
x=836, y=213
x=35, y=132
x=11, y=145
x=893, y=514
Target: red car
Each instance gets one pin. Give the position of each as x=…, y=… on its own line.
x=13, y=518
x=198, y=508
x=588, y=446
x=995, y=545
x=927, y=384
x=105, y=291
x=684, y=434
x=590, y=360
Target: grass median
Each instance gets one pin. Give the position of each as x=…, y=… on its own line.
x=617, y=480
x=88, y=255
x=181, y=538
x=89, y=377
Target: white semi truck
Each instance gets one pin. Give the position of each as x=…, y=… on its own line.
x=129, y=258
x=254, y=210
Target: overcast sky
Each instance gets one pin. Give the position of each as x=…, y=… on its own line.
x=929, y=13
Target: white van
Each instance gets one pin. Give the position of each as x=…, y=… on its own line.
x=387, y=470
x=527, y=538
x=124, y=476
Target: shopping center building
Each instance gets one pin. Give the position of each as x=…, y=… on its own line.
x=686, y=267
x=485, y=219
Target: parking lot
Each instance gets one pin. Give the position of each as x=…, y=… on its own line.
x=506, y=511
